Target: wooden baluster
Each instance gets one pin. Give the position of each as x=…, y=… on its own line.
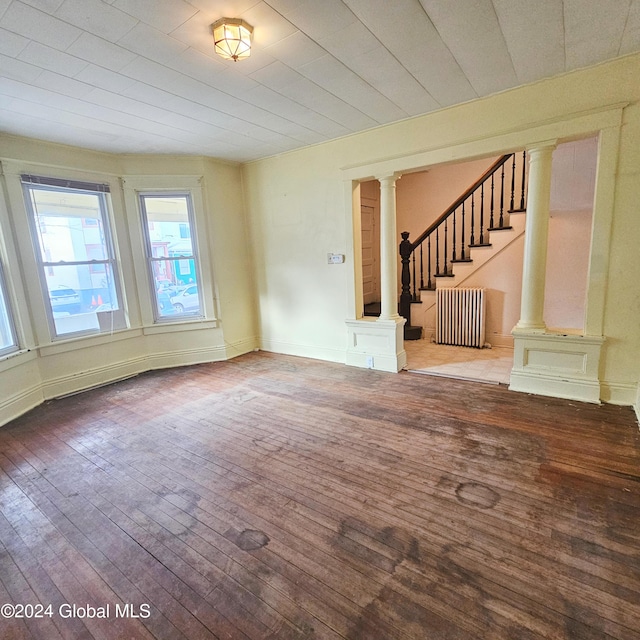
x=421, y=268
x=429, y=285
x=513, y=181
x=415, y=293
x=502, y=198
x=462, y=250
x=491, y=216
x=453, y=243
x=445, y=248
x=437, y=251
x=482, y=213
x=524, y=164
x=473, y=218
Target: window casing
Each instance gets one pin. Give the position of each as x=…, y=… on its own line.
x=172, y=255
x=8, y=337
x=75, y=254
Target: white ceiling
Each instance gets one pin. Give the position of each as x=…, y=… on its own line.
x=140, y=76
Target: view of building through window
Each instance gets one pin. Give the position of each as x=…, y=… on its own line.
x=171, y=254
x=76, y=255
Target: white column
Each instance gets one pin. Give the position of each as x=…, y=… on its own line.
x=535, y=238
x=388, y=249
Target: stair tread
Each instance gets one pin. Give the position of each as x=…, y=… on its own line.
x=483, y=244
x=499, y=228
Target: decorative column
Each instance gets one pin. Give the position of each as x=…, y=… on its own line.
x=535, y=239
x=388, y=255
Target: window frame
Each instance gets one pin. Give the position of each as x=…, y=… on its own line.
x=150, y=258
x=11, y=323
x=108, y=320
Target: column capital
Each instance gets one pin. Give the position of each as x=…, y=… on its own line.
x=541, y=146
x=389, y=177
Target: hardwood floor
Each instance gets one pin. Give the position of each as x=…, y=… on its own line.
x=283, y=498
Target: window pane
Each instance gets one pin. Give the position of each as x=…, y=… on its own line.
x=69, y=225
x=180, y=298
x=168, y=225
x=77, y=292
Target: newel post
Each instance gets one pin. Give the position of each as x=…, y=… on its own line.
x=406, y=249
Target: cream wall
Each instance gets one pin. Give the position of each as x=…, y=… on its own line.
x=45, y=368
x=300, y=207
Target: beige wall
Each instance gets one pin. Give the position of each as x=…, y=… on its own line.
x=300, y=207
x=46, y=369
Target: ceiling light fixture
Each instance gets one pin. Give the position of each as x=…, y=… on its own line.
x=232, y=38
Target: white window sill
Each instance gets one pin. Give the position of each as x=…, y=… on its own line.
x=187, y=324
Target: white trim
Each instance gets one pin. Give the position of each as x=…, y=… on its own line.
x=496, y=143
x=91, y=378
x=621, y=393
x=376, y=344
x=303, y=350
x=185, y=324
x=14, y=406
x=240, y=347
x=554, y=387
x=186, y=357
x=557, y=365
x=133, y=186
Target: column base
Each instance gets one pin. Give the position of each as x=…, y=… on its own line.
x=556, y=365
x=376, y=343
x=533, y=327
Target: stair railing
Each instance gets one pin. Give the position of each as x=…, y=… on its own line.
x=445, y=237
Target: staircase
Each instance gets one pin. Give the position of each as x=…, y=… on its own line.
x=473, y=230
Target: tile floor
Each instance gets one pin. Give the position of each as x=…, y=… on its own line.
x=482, y=365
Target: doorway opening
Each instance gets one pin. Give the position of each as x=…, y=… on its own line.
x=421, y=197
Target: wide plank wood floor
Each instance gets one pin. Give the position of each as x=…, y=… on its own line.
x=272, y=497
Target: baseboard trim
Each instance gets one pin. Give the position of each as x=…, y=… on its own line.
x=623, y=394
x=555, y=387
x=19, y=403
x=304, y=351
x=74, y=383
